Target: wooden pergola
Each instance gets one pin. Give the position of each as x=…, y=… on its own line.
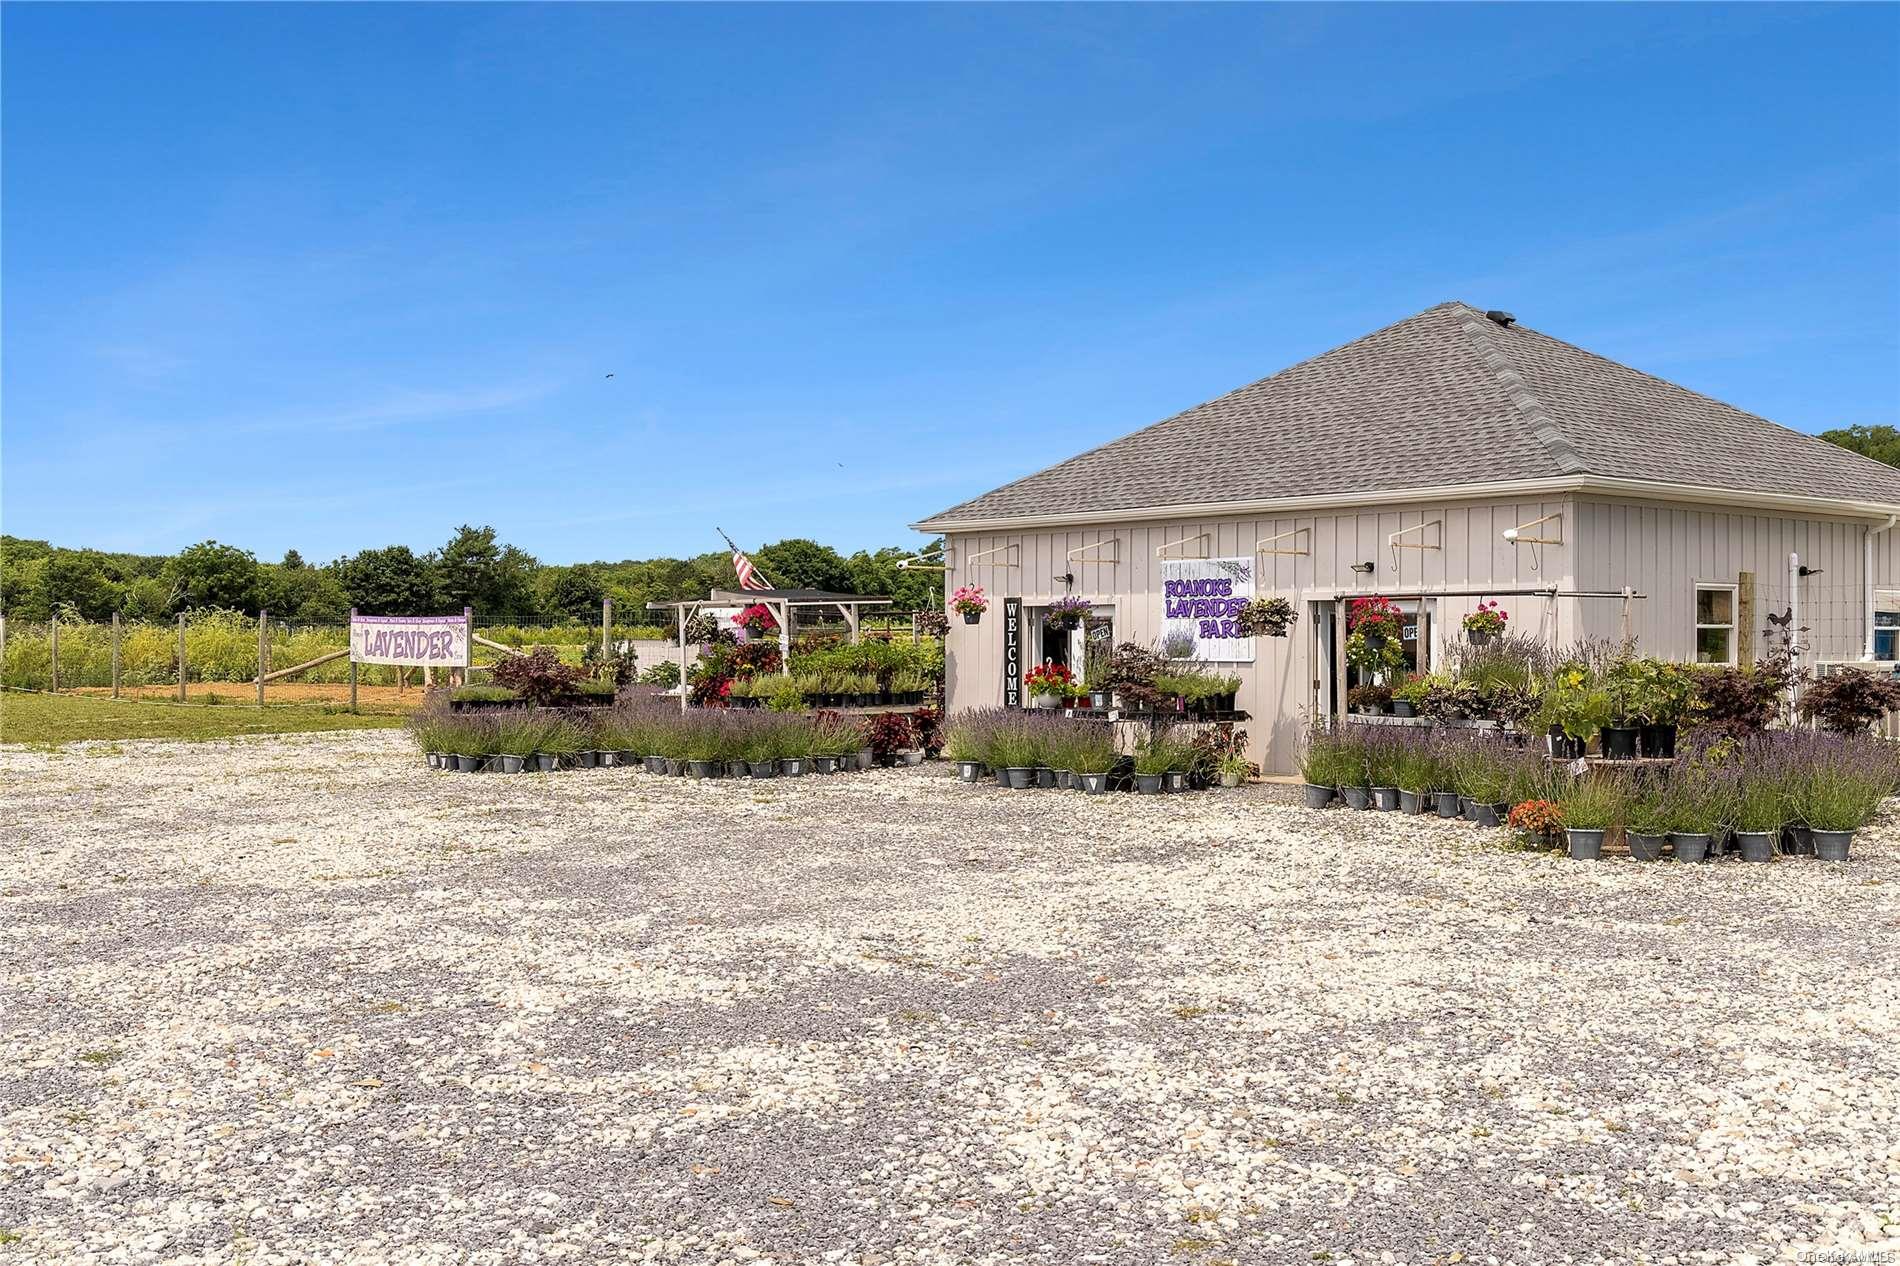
x=781, y=603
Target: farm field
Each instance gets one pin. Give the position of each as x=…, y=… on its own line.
x=54, y=719
x=369, y=698
x=299, y=998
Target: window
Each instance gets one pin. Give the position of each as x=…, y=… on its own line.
x=1887, y=625
x=1715, y=624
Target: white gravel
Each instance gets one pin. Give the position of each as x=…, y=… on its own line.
x=303, y=1000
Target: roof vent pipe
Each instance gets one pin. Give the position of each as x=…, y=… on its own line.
x=1502, y=318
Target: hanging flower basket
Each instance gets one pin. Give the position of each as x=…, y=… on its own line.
x=970, y=603
x=1485, y=623
x=1266, y=617
x=1066, y=613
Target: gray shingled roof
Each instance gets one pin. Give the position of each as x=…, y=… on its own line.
x=1446, y=397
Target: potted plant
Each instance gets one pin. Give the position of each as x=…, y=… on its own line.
x=1760, y=810
x=1537, y=821
x=1485, y=623
x=1578, y=709
x=1066, y=612
x=1694, y=809
x=1481, y=775
x=1013, y=755
x=1409, y=694
x=1354, y=787
x=1668, y=689
x=1590, y=805
x=1382, y=750
x=1646, y=820
x=1049, y=684
x=1154, y=756
x=1265, y=617
x=1624, y=689
x=970, y=603
x=1094, y=759
x=1234, y=770
x=1369, y=700
x=1839, y=791
x=1321, y=766
x=1416, y=770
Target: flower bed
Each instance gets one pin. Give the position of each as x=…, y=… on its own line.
x=1029, y=750
x=651, y=733
x=1793, y=792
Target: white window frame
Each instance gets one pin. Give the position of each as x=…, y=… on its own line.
x=1733, y=626
x=1886, y=600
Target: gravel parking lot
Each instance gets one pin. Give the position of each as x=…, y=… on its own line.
x=303, y=1000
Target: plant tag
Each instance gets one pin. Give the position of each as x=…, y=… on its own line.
x=1579, y=767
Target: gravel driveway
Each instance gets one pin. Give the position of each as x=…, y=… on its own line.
x=300, y=999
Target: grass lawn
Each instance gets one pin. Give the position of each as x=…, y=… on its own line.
x=42, y=718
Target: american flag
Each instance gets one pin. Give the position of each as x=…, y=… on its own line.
x=749, y=577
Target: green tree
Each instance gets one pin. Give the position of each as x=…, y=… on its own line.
x=292, y=560
x=1882, y=443
x=303, y=595
x=389, y=581
x=878, y=573
x=573, y=593
x=82, y=582
x=798, y=563
x=475, y=569
x=212, y=575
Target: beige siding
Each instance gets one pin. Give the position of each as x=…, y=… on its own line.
x=1664, y=550
x=1276, y=689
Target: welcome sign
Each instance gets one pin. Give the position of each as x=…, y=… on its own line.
x=430, y=641
x=1200, y=598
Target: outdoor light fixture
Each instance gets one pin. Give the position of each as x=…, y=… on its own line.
x=1806, y=570
x=1363, y=567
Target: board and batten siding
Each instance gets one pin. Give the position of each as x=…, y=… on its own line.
x=1277, y=688
x=1664, y=551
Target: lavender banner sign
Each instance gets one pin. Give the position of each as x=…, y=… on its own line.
x=1200, y=597
x=437, y=641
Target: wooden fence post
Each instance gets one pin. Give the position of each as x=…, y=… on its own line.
x=352, y=660
x=55, y=652
x=263, y=651
x=606, y=627
x=181, y=657
x=1744, y=614
x=115, y=655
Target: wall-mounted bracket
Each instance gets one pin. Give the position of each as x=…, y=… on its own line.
x=982, y=556
x=1114, y=543
x=935, y=560
x=1199, y=539
x=1515, y=536
x=1271, y=545
x=1395, y=544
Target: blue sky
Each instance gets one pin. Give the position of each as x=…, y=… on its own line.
x=342, y=276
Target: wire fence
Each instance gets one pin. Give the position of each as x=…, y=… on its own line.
x=224, y=647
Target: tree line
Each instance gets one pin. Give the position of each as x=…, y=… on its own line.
x=475, y=568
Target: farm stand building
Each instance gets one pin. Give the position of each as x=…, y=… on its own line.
x=1450, y=458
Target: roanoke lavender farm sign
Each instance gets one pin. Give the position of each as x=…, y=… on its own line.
x=439, y=641
x=1200, y=597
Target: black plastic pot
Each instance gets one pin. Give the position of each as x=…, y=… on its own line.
x=763, y=768
x=1689, y=847
x=656, y=764
x=1403, y=708
x=794, y=766
x=969, y=770
x=1149, y=784
x=1445, y=803
x=1177, y=780
x=1832, y=846
x=1019, y=777
x=1645, y=848
x=737, y=769
x=1064, y=779
x=675, y=768
x=702, y=768
x=1411, y=801
x=1619, y=742
x=1356, y=797
x=824, y=764
x=607, y=760
x=1797, y=841
x=542, y=763
x=1098, y=699
x=1385, y=798
x=1094, y=784
x=1659, y=741
x=1486, y=814
x=1585, y=846
x=513, y=764
x=1563, y=747
x=972, y=617
x=1045, y=777
x=466, y=764
x=1756, y=846
x=1318, y=797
